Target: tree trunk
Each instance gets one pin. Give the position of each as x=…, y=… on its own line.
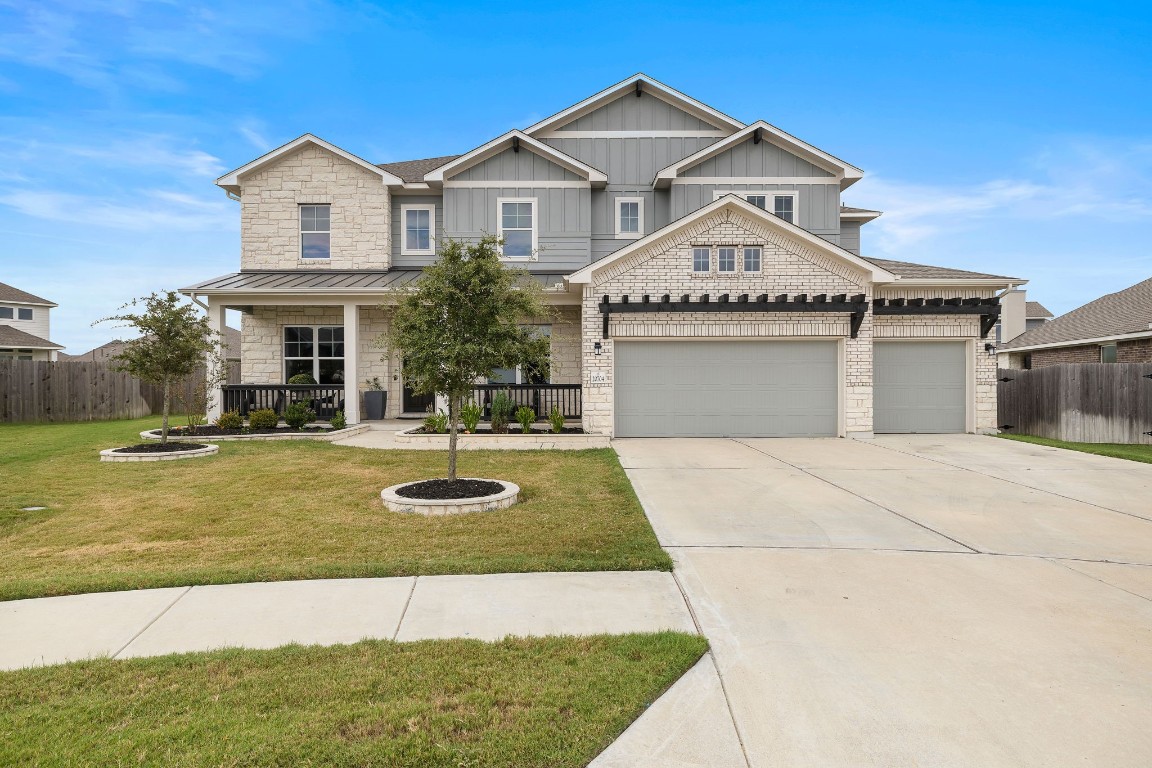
x=167, y=406
x=453, y=409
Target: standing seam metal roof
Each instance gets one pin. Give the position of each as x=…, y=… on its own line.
x=327, y=280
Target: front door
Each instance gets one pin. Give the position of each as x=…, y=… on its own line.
x=414, y=403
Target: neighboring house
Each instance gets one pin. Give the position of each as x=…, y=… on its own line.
x=707, y=278
x=24, y=326
x=1116, y=328
x=1037, y=315
x=1018, y=315
x=106, y=352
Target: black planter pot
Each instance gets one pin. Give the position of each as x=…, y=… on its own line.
x=375, y=401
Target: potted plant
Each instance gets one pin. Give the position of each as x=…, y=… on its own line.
x=375, y=399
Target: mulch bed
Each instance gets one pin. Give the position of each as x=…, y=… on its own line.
x=449, y=489
x=213, y=431
x=512, y=431
x=159, y=447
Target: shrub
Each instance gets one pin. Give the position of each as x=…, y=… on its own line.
x=436, y=422
x=525, y=416
x=302, y=378
x=374, y=384
x=338, y=421
x=501, y=409
x=265, y=418
x=296, y=415
x=556, y=419
x=230, y=420
x=470, y=414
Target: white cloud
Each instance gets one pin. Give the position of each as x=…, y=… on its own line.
x=147, y=211
x=252, y=131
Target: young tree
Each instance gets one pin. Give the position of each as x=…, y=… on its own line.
x=175, y=340
x=463, y=320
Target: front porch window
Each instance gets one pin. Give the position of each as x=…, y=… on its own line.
x=317, y=350
x=522, y=374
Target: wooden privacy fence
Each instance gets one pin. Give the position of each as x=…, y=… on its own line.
x=84, y=391
x=1081, y=402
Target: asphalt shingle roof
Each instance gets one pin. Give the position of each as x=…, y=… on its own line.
x=14, y=337
x=850, y=209
x=1126, y=311
x=9, y=293
x=929, y=272
x=1035, y=310
x=414, y=170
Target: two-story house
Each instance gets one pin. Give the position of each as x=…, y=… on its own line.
x=24, y=326
x=706, y=276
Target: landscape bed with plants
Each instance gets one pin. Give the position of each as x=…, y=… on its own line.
x=502, y=410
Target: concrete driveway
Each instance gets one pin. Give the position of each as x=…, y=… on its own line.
x=915, y=601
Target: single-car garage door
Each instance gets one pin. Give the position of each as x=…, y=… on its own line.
x=918, y=386
x=725, y=388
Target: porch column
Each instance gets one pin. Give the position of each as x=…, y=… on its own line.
x=352, y=363
x=216, y=318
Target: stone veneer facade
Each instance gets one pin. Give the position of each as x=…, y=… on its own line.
x=270, y=218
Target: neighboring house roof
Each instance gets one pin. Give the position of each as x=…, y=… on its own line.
x=1124, y=313
x=858, y=214
x=874, y=271
x=413, y=170
x=17, y=296
x=847, y=174
x=231, y=181
x=909, y=271
x=516, y=138
x=14, y=337
x=1036, y=311
x=324, y=281
x=648, y=85
x=113, y=348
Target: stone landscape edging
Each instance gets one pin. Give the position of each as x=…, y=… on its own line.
x=111, y=454
x=502, y=500
x=510, y=440
x=336, y=434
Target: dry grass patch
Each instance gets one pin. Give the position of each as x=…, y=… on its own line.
x=293, y=510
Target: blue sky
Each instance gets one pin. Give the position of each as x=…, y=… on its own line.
x=1010, y=137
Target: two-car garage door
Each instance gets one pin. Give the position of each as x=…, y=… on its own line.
x=780, y=388
x=726, y=388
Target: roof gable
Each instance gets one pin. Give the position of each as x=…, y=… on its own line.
x=14, y=295
x=231, y=181
x=516, y=140
x=748, y=216
x=1116, y=314
x=647, y=86
x=755, y=134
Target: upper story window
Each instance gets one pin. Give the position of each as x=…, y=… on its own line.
x=517, y=220
x=784, y=206
x=315, y=231
x=629, y=217
x=760, y=201
x=752, y=259
x=701, y=260
x=24, y=313
x=1107, y=353
x=6, y=313
x=725, y=259
x=419, y=235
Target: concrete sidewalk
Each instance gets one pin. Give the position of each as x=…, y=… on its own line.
x=154, y=622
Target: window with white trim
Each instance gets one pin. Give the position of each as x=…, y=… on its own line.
x=317, y=350
x=629, y=217
x=784, y=206
x=516, y=217
x=6, y=313
x=24, y=313
x=725, y=259
x=752, y=259
x=315, y=231
x=701, y=260
x=419, y=235
x=760, y=201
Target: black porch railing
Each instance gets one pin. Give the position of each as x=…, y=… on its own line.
x=324, y=399
x=539, y=397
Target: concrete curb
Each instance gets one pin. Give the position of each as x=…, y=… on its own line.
x=326, y=437
x=502, y=500
x=195, y=453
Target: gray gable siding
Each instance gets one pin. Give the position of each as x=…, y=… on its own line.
x=818, y=204
x=398, y=227
x=850, y=236
x=509, y=165
x=750, y=159
x=564, y=228
x=631, y=161
x=647, y=113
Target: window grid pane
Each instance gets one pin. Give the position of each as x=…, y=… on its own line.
x=751, y=259
x=760, y=201
x=700, y=259
x=418, y=230
x=784, y=207
x=726, y=259
x=516, y=224
x=629, y=217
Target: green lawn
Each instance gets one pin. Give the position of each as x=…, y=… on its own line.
x=1115, y=450
x=292, y=510
x=521, y=702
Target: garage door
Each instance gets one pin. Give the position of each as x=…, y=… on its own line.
x=918, y=386
x=725, y=388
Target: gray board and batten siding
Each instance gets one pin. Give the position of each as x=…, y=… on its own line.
x=725, y=388
x=646, y=113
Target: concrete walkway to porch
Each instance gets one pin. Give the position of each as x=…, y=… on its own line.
x=154, y=622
